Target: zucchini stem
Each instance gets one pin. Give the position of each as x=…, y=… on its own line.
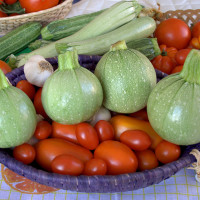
x=3, y=81
x=121, y=45
x=191, y=67
x=68, y=60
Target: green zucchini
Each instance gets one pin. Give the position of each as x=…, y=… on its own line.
x=65, y=27
x=19, y=38
x=112, y=18
x=136, y=29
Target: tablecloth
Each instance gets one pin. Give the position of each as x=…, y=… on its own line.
x=182, y=186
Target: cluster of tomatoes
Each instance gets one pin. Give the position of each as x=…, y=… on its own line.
x=124, y=144
x=29, y=6
x=176, y=40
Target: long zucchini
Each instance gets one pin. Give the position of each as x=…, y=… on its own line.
x=59, y=29
x=112, y=18
x=19, y=38
x=137, y=28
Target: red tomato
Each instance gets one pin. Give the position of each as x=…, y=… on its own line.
x=195, y=42
x=5, y=67
x=37, y=5
x=67, y=165
x=174, y=33
x=27, y=88
x=177, y=69
x=181, y=55
x=119, y=158
x=146, y=160
x=43, y=130
x=9, y=2
x=1, y=2
x=196, y=30
x=48, y=149
x=87, y=136
x=136, y=139
x=2, y=14
x=167, y=152
x=38, y=104
x=141, y=114
x=163, y=63
x=64, y=131
x=95, y=166
x=24, y=153
x=104, y=130
x=13, y=14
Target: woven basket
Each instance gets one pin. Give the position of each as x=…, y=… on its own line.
x=45, y=16
x=107, y=183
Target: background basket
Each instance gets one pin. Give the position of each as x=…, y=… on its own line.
x=45, y=16
x=107, y=183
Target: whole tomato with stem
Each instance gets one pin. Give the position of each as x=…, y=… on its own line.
x=5, y=67
x=174, y=33
x=27, y=88
x=37, y=5
x=167, y=152
x=24, y=153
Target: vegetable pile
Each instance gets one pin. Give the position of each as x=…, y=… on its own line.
x=91, y=79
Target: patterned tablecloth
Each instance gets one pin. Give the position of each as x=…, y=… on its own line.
x=181, y=186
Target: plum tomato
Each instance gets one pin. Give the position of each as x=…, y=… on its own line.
x=43, y=130
x=87, y=136
x=136, y=139
x=119, y=158
x=67, y=165
x=104, y=130
x=95, y=166
x=146, y=160
x=167, y=152
x=24, y=153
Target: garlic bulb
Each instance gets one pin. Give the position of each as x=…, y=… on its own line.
x=37, y=70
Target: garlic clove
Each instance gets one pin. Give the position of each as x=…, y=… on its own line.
x=36, y=58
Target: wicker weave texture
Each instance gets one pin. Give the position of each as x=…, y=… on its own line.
x=45, y=16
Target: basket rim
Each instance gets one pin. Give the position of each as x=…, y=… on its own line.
x=63, y=4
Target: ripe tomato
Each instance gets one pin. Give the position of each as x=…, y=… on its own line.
x=67, y=164
x=38, y=104
x=5, y=67
x=196, y=30
x=146, y=160
x=104, y=130
x=2, y=14
x=174, y=33
x=1, y=2
x=95, y=166
x=177, y=69
x=37, y=5
x=27, y=88
x=9, y=2
x=141, y=114
x=87, y=136
x=24, y=153
x=181, y=55
x=43, y=130
x=195, y=42
x=119, y=158
x=64, y=131
x=163, y=63
x=167, y=152
x=48, y=149
x=136, y=139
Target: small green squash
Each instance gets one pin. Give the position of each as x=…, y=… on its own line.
x=72, y=94
x=127, y=78
x=174, y=104
x=17, y=115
